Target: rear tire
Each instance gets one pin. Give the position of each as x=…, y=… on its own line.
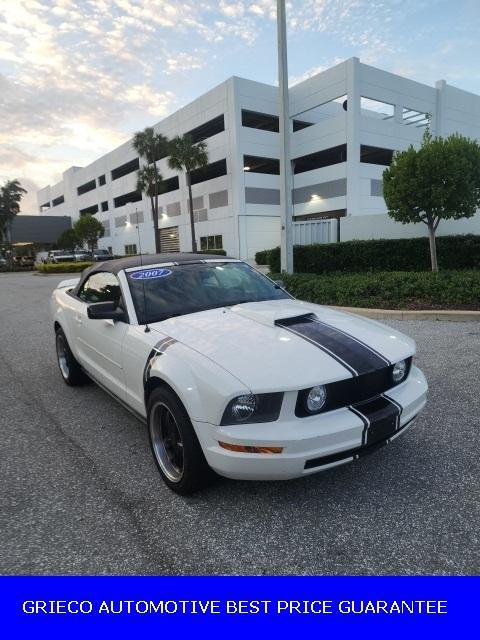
x=71, y=371
x=175, y=446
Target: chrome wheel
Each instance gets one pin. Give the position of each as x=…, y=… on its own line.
x=167, y=442
x=62, y=356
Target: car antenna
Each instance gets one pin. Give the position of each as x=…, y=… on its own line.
x=147, y=328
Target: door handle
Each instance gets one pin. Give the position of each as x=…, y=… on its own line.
x=78, y=319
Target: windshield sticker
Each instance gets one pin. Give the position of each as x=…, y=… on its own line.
x=150, y=274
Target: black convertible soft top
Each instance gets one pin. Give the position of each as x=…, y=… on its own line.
x=114, y=266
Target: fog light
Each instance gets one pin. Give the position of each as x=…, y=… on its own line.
x=399, y=371
x=316, y=398
x=243, y=407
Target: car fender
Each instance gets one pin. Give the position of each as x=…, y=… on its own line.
x=203, y=386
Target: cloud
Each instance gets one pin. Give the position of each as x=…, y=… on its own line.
x=77, y=76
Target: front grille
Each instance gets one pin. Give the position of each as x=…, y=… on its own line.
x=351, y=391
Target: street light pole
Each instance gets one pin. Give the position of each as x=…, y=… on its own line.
x=286, y=244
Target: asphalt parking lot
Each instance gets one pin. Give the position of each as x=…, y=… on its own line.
x=80, y=494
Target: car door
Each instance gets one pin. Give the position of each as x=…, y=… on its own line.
x=100, y=342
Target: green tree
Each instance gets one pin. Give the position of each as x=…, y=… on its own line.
x=185, y=155
x=438, y=181
x=88, y=229
x=150, y=182
x=69, y=240
x=11, y=194
x=151, y=147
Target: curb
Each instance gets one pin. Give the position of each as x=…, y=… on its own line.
x=451, y=315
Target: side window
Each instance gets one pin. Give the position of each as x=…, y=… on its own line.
x=101, y=287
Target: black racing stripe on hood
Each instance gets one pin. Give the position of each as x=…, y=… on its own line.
x=356, y=356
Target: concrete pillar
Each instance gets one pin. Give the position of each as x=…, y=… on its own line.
x=353, y=136
x=438, y=116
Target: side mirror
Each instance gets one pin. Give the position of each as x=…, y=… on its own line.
x=106, y=311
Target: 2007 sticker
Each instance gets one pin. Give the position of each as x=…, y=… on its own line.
x=150, y=274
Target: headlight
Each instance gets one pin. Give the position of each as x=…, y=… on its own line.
x=243, y=407
x=316, y=398
x=399, y=371
x=250, y=408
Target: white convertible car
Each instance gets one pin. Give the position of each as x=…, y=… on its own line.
x=230, y=372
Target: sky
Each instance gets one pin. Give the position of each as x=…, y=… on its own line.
x=79, y=77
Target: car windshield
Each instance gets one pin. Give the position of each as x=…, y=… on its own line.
x=164, y=292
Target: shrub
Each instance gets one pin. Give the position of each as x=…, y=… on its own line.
x=63, y=267
x=218, y=252
x=389, y=290
x=409, y=254
x=263, y=257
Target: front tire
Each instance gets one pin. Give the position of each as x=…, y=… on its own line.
x=175, y=447
x=71, y=371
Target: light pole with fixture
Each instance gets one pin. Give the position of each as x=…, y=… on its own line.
x=286, y=244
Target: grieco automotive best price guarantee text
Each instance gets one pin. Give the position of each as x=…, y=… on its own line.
x=235, y=607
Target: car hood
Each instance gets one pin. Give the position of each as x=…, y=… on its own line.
x=247, y=341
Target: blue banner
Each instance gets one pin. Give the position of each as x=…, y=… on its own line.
x=91, y=607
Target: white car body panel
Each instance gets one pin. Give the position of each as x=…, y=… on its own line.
x=210, y=357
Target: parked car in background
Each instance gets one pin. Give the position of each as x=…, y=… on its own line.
x=3, y=262
x=82, y=256
x=99, y=255
x=59, y=255
x=26, y=261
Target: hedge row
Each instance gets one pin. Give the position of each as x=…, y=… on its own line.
x=63, y=267
x=216, y=252
x=410, y=254
x=389, y=290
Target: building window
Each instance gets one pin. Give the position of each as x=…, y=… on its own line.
x=320, y=159
x=298, y=125
x=109, y=249
x=101, y=181
x=208, y=243
x=171, y=184
x=255, y=164
x=218, y=199
x=208, y=129
x=120, y=221
x=106, y=228
x=88, y=186
x=130, y=249
x=57, y=201
x=174, y=209
x=375, y=155
x=318, y=192
x=132, y=196
x=89, y=211
x=105, y=206
x=200, y=216
x=125, y=169
x=211, y=171
x=256, y=120
x=46, y=205
x=137, y=217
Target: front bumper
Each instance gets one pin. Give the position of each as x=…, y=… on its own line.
x=309, y=444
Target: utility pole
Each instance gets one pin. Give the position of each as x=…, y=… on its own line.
x=286, y=244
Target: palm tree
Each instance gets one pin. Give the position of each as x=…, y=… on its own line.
x=151, y=147
x=150, y=182
x=185, y=155
x=11, y=194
